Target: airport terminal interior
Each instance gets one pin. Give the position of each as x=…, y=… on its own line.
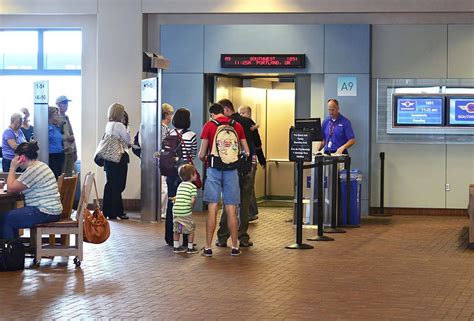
x=364, y=200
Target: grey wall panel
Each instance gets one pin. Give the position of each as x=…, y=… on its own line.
x=187, y=90
x=461, y=51
x=183, y=46
x=356, y=109
x=346, y=49
x=409, y=51
x=264, y=39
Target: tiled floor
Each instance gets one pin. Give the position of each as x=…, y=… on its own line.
x=401, y=268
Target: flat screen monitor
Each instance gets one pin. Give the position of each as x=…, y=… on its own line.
x=312, y=124
x=461, y=111
x=418, y=110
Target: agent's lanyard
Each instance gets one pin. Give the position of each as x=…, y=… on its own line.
x=332, y=126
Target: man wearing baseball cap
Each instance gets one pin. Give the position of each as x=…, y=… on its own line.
x=70, y=151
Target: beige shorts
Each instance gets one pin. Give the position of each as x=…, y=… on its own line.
x=183, y=224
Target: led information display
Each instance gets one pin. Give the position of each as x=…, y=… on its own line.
x=461, y=111
x=419, y=111
x=262, y=61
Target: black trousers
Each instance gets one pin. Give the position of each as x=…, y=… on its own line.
x=56, y=161
x=116, y=174
x=172, y=182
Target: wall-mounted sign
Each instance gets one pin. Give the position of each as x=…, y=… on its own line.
x=262, y=61
x=347, y=86
x=301, y=144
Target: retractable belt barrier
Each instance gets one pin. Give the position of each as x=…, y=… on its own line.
x=319, y=162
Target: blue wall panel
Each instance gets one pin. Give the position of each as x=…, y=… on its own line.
x=264, y=39
x=357, y=109
x=187, y=90
x=183, y=46
x=346, y=49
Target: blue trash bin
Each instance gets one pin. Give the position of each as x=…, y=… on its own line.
x=355, y=197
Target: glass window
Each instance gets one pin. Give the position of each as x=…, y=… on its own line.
x=418, y=90
x=62, y=49
x=18, y=49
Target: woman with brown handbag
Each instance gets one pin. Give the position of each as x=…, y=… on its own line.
x=116, y=173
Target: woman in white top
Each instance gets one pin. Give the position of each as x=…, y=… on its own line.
x=116, y=173
x=38, y=185
x=181, y=122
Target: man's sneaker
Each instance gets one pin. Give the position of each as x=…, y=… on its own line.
x=221, y=244
x=253, y=219
x=207, y=252
x=178, y=250
x=192, y=251
x=246, y=244
x=235, y=252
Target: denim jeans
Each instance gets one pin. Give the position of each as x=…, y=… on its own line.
x=25, y=217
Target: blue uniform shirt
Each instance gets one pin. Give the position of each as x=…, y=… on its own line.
x=336, y=133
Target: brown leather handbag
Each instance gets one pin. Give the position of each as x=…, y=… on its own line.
x=96, y=226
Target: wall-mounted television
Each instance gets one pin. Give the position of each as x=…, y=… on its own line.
x=418, y=110
x=460, y=110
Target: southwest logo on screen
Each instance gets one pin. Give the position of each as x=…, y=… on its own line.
x=464, y=110
x=407, y=105
x=469, y=107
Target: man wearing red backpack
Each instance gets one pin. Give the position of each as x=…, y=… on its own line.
x=221, y=143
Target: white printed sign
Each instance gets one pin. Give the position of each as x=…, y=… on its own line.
x=41, y=92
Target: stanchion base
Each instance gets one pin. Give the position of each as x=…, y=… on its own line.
x=349, y=226
x=333, y=230
x=321, y=238
x=301, y=246
x=380, y=214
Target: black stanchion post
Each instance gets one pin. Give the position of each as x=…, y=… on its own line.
x=320, y=236
x=299, y=211
x=382, y=187
x=348, y=193
x=334, y=199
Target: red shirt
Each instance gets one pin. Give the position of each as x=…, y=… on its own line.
x=210, y=128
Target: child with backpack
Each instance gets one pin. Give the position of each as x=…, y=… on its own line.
x=183, y=209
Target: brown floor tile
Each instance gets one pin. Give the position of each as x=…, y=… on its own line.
x=400, y=268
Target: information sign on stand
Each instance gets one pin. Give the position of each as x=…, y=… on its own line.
x=300, y=145
x=41, y=101
x=300, y=151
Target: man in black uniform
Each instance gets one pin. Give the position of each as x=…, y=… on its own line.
x=245, y=183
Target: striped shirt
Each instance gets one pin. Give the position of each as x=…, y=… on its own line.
x=184, y=199
x=189, y=148
x=165, y=131
x=42, y=188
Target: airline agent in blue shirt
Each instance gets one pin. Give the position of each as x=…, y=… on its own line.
x=337, y=131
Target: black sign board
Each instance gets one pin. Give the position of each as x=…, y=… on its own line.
x=262, y=61
x=300, y=145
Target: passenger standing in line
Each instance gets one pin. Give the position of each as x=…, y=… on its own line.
x=181, y=122
x=11, y=138
x=246, y=111
x=69, y=142
x=245, y=183
x=26, y=128
x=166, y=117
x=55, y=139
x=183, y=209
x=337, y=131
x=116, y=173
x=220, y=182
x=125, y=122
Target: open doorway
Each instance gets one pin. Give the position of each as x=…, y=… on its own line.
x=272, y=100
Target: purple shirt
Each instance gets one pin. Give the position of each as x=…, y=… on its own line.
x=336, y=133
x=8, y=152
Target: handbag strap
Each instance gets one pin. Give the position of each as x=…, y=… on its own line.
x=96, y=200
